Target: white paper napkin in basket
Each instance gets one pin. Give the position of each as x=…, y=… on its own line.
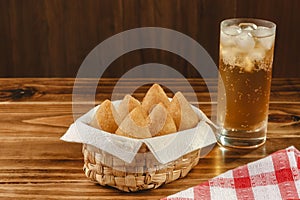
x=164, y=148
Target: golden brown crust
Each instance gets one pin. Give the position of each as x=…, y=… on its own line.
x=135, y=125
x=126, y=106
x=106, y=117
x=155, y=116
x=183, y=114
x=154, y=96
x=161, y=122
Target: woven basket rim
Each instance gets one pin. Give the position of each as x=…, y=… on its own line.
x=105, y=175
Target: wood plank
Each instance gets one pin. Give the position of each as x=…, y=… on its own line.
x=60, y=90
x=52, y=38
x=53, y=120
x=61, y=179
x=35, y=164
x=45, y=148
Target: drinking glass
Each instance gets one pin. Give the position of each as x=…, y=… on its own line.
x=245, y=71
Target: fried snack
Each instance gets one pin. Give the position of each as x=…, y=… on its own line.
x=155, y=116
x=106, y=117
x=183, y=114
x=126, y=106
x=161, y=122
x=155, y=95
x=135, y=124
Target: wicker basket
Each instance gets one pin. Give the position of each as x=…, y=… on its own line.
x=141, y=174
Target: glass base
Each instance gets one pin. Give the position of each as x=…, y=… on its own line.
x=241, y=138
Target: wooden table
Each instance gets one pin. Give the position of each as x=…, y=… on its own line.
x=34, y=163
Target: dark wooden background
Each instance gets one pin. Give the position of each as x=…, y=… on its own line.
x=50, y=38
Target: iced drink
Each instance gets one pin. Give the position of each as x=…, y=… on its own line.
x=245, y=66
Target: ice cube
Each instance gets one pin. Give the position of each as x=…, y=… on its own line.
x=226, y=40
x=257, y=54
x=228, y=34
x=232, y=30
x=262, y=31
x=229, y=55
x=265, y=36
x=248, y=26
x=245, y=42
x=267, y=42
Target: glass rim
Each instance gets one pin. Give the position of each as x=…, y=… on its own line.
x=260, y=22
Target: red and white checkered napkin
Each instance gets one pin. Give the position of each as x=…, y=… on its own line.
x=276, y=176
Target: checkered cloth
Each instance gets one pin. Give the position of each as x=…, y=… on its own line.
x=276, y=176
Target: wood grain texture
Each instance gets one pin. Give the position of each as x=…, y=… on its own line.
x=35, y=164
x=51, y=38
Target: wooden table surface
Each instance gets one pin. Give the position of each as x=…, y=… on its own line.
x=34, y=163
